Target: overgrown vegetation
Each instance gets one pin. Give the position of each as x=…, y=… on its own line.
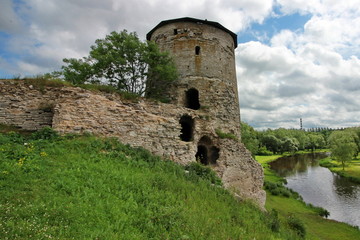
x=223, y=135
x=83, y=187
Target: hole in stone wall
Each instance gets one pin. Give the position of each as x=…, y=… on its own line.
x=214, y=154
x=192, y=99
x=197, y=50
x=201, y=155
x=175, y=31
x=207, y=153
x=187, y=128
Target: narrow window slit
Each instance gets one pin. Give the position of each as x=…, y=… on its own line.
x=197, y=50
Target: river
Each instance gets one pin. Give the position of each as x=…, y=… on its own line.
x=319, y=186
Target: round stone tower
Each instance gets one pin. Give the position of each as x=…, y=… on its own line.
x=203, y=52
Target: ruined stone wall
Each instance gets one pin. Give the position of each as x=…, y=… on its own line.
x=22, y=105
x=152, y=125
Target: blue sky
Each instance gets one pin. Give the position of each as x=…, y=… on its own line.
x=295, y=58
x=264, y=31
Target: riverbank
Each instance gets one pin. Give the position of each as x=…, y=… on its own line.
x=351, y=171
x=287, y=205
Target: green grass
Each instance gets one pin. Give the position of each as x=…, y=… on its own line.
x=351, y=171
x=84, y=187
x=316, y=227
x=268, y=173
x=225, y=135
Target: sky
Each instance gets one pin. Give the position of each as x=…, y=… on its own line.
x=295, y=58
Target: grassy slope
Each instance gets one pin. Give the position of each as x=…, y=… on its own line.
x=88, y=188
x=316, y=226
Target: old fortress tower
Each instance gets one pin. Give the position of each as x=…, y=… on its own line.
x=201, y=123
x=204, y=55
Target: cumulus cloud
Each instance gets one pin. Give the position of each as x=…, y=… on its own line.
x=52, y=30
x=9, y=21
x=311, y=74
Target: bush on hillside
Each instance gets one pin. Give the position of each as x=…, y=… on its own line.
x=206, y=173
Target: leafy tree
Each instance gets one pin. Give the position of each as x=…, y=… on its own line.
x=289, y=145
x=124, y=62
x=271, y=142
x=356, y=136
x=301, y=137
x=315, y=141
x=78, y=71
x=250, y=138
x=342, y=146
x=161, y=73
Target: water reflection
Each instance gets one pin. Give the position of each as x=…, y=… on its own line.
x=287, y=166
x=345, y=188
x=320, y=187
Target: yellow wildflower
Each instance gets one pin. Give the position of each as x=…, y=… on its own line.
x=21, y=162
x=43, y=154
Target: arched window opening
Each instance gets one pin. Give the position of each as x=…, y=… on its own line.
x=192, y=99
x=207, y=153
x=202, y=155
x=205, y=140
x=197, y=50
x=187, y=128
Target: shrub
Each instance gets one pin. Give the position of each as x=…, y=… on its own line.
x=320, y=211
x=46, y=133
x=196, y=170
x=273, y=220
x=277, y=189
x=264, y=152
x=13, y=137
x=297, y=225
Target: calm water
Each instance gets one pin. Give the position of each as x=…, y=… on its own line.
x=320, y=187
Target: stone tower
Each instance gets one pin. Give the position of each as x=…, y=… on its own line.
x=206, y=91
x=203, y=52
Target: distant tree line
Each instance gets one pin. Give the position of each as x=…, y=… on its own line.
x=344, y=144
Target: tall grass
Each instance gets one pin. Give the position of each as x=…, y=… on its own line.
x=89, y=188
